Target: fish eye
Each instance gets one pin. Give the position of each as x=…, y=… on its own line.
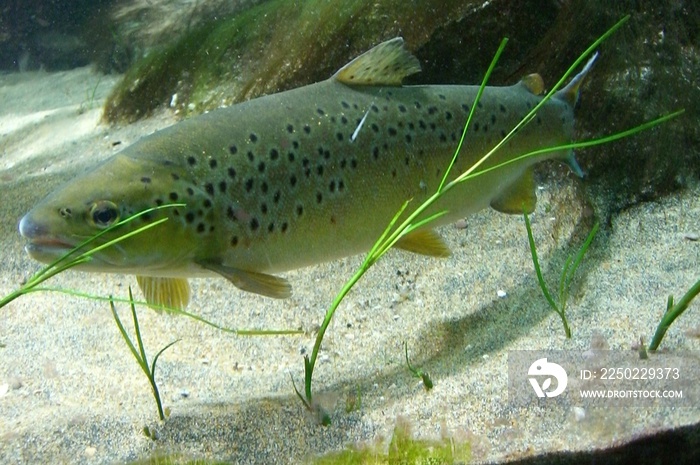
x=103, y=214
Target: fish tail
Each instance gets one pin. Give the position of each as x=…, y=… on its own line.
x=569, y=94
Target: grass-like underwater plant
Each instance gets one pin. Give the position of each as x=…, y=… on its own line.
x=567, y=273
x=672, y=312
x=395, y=230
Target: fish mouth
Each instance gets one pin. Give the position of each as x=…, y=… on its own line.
x=48, y=248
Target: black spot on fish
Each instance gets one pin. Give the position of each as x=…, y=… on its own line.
x=159, y=202
x=261, y=167
x=274, y=154
x=333, y=120
x=253, y=137
x=406, y=161
x=207, y=203
x=290, y=128
x=353, y=163
x=264, y=187
x=189, y=217
x=432, y=110
x=528, y=104
x=503, y=134
x=293, y=180
x=233, y=150
x=263, y=208
x=230, y=214
x=402, y=109
x=374, y=127
x=307, y=172
x=502, y=108
x=421, y=124
x=270, y=227
x=345, y=104
x=209, y=188
x=191, y=161
x=448, y=116
x=319, y=170
x=175, y=176
x=539, y=120
x=443, y=137
x=307, y=129
x=493, y=119
x=254, y=224
x=173, y=196
x=343, y=163
x=339, y=136
x=441, y=97
x=305, y=162
x=476, y=127
x=251, y=156
x=392, y=131
x=393, y=173
x=222, y=186
x=190, y=191
x=276, y=197
x=453, y=136
x=290, y=157
x=146, y=180
x=232, y=173
x=486, y=128
x=341, y=185
x=331, y=186
x=320, y=111
x=200, y=228
x=300, y=210
x=284, y=227
x=409, y=139
x=343, y=120
x=375, y=153
x=411, y=126
x=375, y=108
x=212, y=163
x=418, y=105
x=295, y=144
x=319, y=197
x=234, y=241
x=465, y=107
x=249, y=184
x=480, y=105
x=432, y=126
x=146, y=217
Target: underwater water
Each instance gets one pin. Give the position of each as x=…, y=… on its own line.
x=79, y=83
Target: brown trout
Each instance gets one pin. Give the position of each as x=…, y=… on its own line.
x=301, y=177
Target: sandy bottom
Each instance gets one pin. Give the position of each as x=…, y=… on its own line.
x=70, y=392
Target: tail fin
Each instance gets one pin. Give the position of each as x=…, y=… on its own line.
x=569, y=94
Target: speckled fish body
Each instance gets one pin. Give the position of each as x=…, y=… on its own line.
x=301, y=177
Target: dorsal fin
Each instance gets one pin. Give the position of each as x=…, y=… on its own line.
x=384, y=65
x=533, y=83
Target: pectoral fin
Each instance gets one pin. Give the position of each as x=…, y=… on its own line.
x=251, y=281
x=424, y=242
x=519, y=195
x=170, y=292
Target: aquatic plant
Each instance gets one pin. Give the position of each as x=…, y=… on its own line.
x=417, y=372
x=672, y=312
x=395, y=230
x=403, y=448
x=567, y=273
x=140, y=354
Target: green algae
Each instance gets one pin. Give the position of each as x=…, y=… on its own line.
x=403, y=448
x=271, y=47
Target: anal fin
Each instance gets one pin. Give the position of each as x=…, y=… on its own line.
x=168, y=292
x=424, y=242
x=519, y=195
x=252, y=281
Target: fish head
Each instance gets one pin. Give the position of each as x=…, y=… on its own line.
x=93, y=203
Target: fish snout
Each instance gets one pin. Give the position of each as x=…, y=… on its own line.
x=29, y=228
